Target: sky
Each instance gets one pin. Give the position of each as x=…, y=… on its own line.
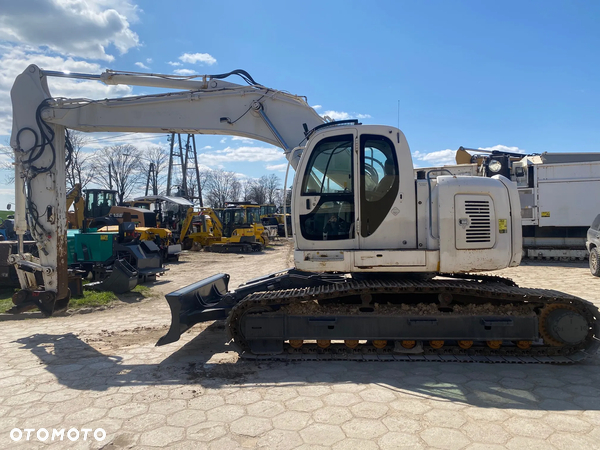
x=521, y=76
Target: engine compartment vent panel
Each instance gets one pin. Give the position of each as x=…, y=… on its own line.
x=475, y=221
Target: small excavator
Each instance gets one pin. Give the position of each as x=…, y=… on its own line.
x=230, y=232
x=388, y=263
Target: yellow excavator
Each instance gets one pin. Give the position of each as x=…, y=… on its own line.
x=232, y=234
x=250, y=215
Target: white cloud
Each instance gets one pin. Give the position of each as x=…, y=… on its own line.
x=15, y=59
x=149, y=60
x=316, y=107
x=503, y=148
x=224, y=140
x=174, y=63
x=245, y=140
x=184, y=72
x=198, y=58
x=206, y=147
x=74, y=27
x=142, y=140
x=243, y=154
x=341, y=115
x=142, y=65
x=439, y=158
x=277, y=167
x=448, y=156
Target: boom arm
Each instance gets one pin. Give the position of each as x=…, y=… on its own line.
x=210, y=106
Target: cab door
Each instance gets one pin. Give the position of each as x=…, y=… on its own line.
x=386, y=191
x=325, y=209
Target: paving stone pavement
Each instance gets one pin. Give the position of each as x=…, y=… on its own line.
x=102, y=370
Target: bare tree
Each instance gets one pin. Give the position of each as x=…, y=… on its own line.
x=264, y=189
x=257, y=192
x=79, y=167
x=271, y=183
x=119, y=167
x=156, y=162
x=236, y=190
x=221, y=187
x=245, y=187
x=7, y=157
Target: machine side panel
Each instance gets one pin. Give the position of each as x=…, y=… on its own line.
x=567, y=194
x=490, y=250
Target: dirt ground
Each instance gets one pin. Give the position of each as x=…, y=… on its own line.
x=103, y=370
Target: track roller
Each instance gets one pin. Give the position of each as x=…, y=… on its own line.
x=296, y=343
x=408, y=344
x=379, y=343
x=323, y=343
x=495, y=345
x=465, y=344
x=436, y=344
x=351, y=343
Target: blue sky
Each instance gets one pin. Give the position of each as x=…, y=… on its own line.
x=522, y=75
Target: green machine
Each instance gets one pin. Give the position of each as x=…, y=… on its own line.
x=116, y=260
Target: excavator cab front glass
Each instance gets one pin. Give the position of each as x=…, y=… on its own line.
x=253, y=215
x=329, y=176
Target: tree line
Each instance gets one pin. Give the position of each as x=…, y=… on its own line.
x=129, y=170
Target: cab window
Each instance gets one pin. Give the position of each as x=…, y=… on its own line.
x=329, y=176
x=379, y=181
x=329, y=170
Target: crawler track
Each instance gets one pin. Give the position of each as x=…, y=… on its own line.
x=405, y=299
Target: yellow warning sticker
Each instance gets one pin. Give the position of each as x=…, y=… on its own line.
x=545, y=213
x=502, y=225
x=104, y=237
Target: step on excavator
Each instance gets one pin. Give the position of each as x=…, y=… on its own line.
x=388, y=265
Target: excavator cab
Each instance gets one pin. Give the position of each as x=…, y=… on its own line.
x=99, y=202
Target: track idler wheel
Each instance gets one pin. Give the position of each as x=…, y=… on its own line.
x=523, y=345
x=563, y=324
x=408, y=344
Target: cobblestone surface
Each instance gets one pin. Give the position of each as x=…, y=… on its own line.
x=102, y=370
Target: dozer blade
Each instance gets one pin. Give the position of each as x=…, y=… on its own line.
x=122, y=279
x=195, y=303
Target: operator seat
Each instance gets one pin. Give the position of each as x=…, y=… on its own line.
x=386, y=183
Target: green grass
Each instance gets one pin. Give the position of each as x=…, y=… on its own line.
x=5, y=214
x=6, y=299
x=142, y=289
x=90, y=299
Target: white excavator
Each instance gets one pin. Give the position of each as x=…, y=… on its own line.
x=387, y=264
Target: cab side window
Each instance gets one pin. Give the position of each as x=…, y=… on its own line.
x=380, y=181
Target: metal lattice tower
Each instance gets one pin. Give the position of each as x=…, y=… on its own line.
x=186, y=157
